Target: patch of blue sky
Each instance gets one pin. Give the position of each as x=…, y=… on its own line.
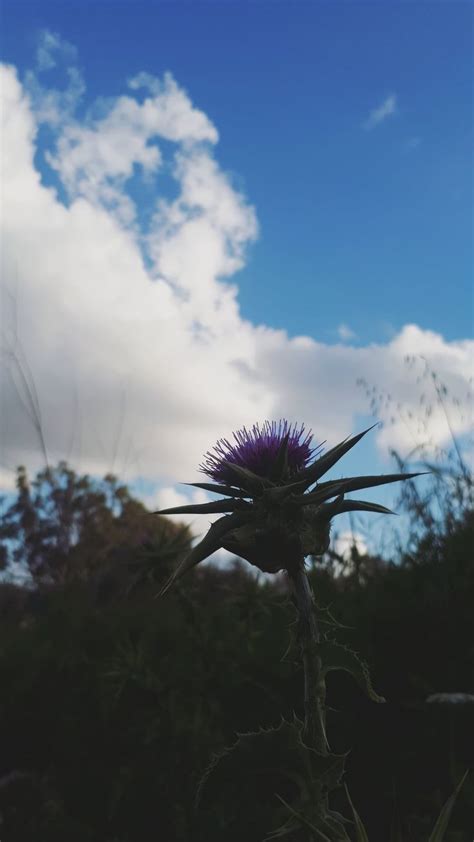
x=49, y=177
x=146, y=189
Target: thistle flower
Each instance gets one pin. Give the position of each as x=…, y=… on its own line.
x=276, y=510
x=256, y=449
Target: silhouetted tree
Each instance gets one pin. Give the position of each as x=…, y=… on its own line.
x=63, y=527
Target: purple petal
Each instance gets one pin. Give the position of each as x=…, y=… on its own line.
x=257, y=448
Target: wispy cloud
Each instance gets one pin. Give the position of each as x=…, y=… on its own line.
x=95, y=158
x=387, y=108
x=345, y=333
x=51, y=47
x=53, y=105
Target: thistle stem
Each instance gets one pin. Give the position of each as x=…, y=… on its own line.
x=314, y=731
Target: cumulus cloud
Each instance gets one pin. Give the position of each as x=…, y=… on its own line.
x=323, y=380
x=386, y=109
x=95, y=323
x=129, y=328
x=96, y=157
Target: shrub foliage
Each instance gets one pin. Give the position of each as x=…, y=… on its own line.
x=112, y=701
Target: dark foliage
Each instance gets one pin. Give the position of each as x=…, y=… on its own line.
x=113, y=701
x=63, y=528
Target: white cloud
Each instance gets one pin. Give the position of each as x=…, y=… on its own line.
x=170, y=496
x=342, y=544
x=139, y=354
x=346, y=540
x=50, y=45
x=95, y=323
x=95, y=158
x=7, y=482
x=386, y=109
x=53, y=105
x=345, y=333
x=200, y=238
x=320, y=381
x=170, y=113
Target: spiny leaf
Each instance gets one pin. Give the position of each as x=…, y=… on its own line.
x=277, y=493
x=211, y=542
x=443, y=818
x=328, y=768
x=214, y=488
x=260, y=749
x=362, y=506
x=282, y=491
x=327, y=511
x=335, y=656
x=361, y=833
x=247, y=479
x=332, y=621
x=216, y=507
x=326, y=490
x=322, y=465
x=319, y=495
x=277, y=751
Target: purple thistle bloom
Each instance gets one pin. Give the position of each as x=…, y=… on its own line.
x=271, y=517
x=256, y=450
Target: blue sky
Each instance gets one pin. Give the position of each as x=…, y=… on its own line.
x=372, y=228
x=288, y=211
